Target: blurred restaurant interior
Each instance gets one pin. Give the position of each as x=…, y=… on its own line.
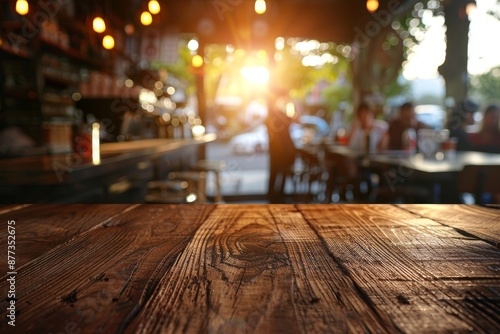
x=249, y=101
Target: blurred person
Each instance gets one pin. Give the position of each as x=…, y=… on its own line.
x=365, y=123
x=488, y=138
x=393, y=139
x=281, y=149
x=461, y=117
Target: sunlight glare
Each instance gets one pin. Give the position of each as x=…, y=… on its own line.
x=255, y=74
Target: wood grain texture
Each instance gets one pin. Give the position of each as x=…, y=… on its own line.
x=326, y=299
x=255, y=269
x=232, y=277
x=8, y=208
x=39, y=228
x=479, y=221
x=101, y=277
x=425, y=275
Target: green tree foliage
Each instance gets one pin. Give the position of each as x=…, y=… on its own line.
x=486, y=87
x=181, y=69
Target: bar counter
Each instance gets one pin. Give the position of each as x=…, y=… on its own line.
x=72, y=175
x=253, y=269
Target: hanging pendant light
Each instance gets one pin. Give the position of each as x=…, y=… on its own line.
x=260, y=6
x=154, y=7
x=108, y=42
x=146, y=18
x=99, y=25
x=372, y=5
x=22, y=7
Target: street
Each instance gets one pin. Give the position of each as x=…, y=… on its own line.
x=222, y=151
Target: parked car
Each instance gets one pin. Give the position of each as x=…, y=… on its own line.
x=308, y=129
x=254, y=141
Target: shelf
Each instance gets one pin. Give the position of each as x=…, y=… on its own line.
x=68, y=51
x=60, y=81
x=58, y=100
x=75, y=54
x=21, y=92
x=18, y=52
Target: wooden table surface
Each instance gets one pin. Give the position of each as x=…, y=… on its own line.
x=253, y=268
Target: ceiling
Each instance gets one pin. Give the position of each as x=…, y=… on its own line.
x=235, y=22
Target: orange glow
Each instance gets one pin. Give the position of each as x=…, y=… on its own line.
x=22, y=7
x=470, y=8
x=154, y=7
x=146, y=18
x=108, y=42
x=260, y=6
x=129, y=29
x=372, y=5
x=197, y=61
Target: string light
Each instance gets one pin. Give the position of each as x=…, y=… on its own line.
x=260, y=6
x=197, y=61
x=98, y=24
x=146, y=18
x=108, y=42
x=154, y=7
x=22, y=7
x=372, y=5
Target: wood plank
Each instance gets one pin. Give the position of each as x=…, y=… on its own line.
x=11, y=207
x=100, y=279
x=326, y=299
x=479, y=221
x=40, y=228
x=409, y=267
x=244, y=272
x=232, y=277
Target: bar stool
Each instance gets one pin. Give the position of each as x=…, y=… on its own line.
x=169, y=186
x=168, y=192
x=215, y=167
x=196, y=183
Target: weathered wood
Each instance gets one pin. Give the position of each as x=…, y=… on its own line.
x=12, y=207
x=40, y=228
x=101, y=277
x=426, y=275
x=232, y=277
x=325, y=298
x=254, y=269
x=478, y=221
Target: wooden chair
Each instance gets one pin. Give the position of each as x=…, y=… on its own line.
x=344, y=173
x=308, y=178
x=479, y=180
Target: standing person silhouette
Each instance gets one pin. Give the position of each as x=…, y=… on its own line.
x=281, y=148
